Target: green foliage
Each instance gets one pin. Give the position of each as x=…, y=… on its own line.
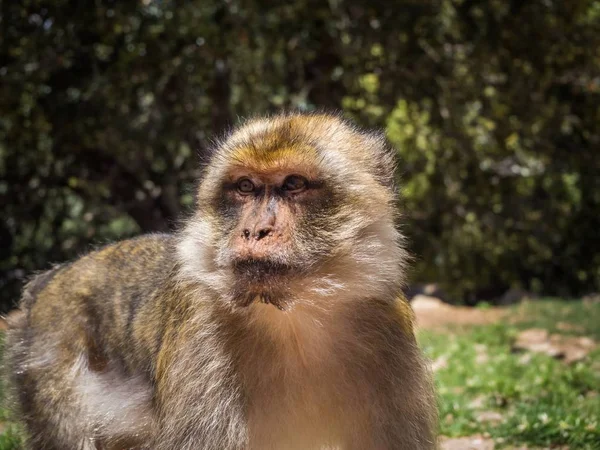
x=542, y=401
x=499, y=151
x=10, y=440
x=493, y=107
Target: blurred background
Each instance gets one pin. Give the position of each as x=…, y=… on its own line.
x=106, y=108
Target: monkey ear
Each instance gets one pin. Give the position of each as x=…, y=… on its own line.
x=386, y=170
x=386, y=161
x=205, y=156
x=209, y=151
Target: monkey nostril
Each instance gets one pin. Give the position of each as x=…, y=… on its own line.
x=263, y=233
x=246, y=233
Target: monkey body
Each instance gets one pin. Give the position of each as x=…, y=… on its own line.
x=184, y=341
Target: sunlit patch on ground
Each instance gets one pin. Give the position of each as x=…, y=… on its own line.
x=500, y=391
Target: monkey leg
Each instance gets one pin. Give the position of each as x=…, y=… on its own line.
x=71, y=396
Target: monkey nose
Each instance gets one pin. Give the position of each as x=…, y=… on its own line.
x=262, y=232
x=258, y=233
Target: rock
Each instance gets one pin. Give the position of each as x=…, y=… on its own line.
x=568, y=348
x=432, y=312
x=477, y=402
x=592, y=298
x=420, y=302
x=514, y=296
x=429, y=289
x=565, y=326
x=477, y=442
x=439, y=363
x=493, y=417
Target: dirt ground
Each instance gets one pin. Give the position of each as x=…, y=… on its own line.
x=432, y=313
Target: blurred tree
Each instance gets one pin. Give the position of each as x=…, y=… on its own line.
x=492, y=105
x=502, y=160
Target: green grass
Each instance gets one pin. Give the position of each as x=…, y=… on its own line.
x=550, y=313
x=9, y=434
x=543, y=402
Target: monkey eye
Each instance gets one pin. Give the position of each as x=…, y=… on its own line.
x=294, y=184
x=245, y=186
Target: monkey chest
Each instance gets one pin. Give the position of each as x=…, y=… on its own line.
x=307, y=413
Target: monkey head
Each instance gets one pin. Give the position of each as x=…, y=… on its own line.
x=295, y=207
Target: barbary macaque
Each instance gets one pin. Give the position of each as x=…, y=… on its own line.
x=272, y=320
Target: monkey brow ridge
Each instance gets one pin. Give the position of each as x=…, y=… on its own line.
x=266, y=158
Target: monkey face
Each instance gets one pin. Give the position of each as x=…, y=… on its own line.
x=292, y=205
x=269, y=209
x=276, y=230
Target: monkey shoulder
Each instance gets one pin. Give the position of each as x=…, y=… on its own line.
x=118, y=273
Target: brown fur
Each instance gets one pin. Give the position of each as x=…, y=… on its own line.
x=292, y=335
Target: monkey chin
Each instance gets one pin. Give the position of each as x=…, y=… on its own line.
x=270, y=289
x=262, y=280
x=274, y=292
x=267, y=298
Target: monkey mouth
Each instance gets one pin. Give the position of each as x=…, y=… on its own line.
x=261, y=281
x=260, y=270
